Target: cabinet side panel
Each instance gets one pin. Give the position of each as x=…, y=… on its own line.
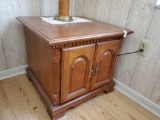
x=40, y=62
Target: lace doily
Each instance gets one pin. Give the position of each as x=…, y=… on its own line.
x=56, y=22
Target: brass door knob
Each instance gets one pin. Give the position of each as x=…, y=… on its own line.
x=90, y=71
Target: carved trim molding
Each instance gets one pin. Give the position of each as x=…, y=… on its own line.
x=93, y=41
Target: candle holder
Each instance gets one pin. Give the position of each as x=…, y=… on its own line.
x=63, y=12
x=63, y=18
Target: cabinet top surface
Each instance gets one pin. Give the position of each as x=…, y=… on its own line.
x=70, y=32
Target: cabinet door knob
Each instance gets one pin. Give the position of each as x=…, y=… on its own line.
x=96, y=69
x=90, y=71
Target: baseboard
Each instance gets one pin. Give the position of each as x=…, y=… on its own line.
x=12, y=72
x=138, y=98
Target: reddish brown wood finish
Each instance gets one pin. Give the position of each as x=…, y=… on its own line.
x=62, y=60
x=106, y=53
x=75, y=71
x=64, y=7
x=43, y=64
x=61, y=36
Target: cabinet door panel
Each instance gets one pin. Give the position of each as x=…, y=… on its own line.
x=106, y=53
x=78, y=72
x=104, y=66
x=76, y=63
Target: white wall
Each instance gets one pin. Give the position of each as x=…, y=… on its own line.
x=12, y=44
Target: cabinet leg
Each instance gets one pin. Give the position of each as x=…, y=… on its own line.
x=28, y=77
x=108, y=91
x=58, y=116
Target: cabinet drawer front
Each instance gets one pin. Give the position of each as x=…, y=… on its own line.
x=106, y=53
x=76, y=63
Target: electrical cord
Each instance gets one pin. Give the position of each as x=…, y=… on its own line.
x=140, y=50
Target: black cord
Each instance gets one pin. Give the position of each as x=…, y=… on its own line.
x=140, y=50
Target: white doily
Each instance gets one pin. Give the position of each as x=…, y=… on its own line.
x=75, y=20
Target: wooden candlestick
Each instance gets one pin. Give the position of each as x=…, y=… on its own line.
x=63, y=12
x=64, y=7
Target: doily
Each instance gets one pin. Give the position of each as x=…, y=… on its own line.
x=56, y=22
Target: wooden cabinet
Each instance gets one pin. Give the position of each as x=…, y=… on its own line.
x=71, y=63
x=87, y=67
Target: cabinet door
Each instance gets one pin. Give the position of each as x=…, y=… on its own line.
x=76, y=64
x=106, y=53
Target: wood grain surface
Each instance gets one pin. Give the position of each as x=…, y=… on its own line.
x=76, y=63
x=19, y=103
x=24, y=103
x=70, y=33
x=41, y=62
x=104, y=62
x=4, y=101
x=63, y=9
x=7, y=114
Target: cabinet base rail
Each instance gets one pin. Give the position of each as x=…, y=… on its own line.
x=56, y=112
